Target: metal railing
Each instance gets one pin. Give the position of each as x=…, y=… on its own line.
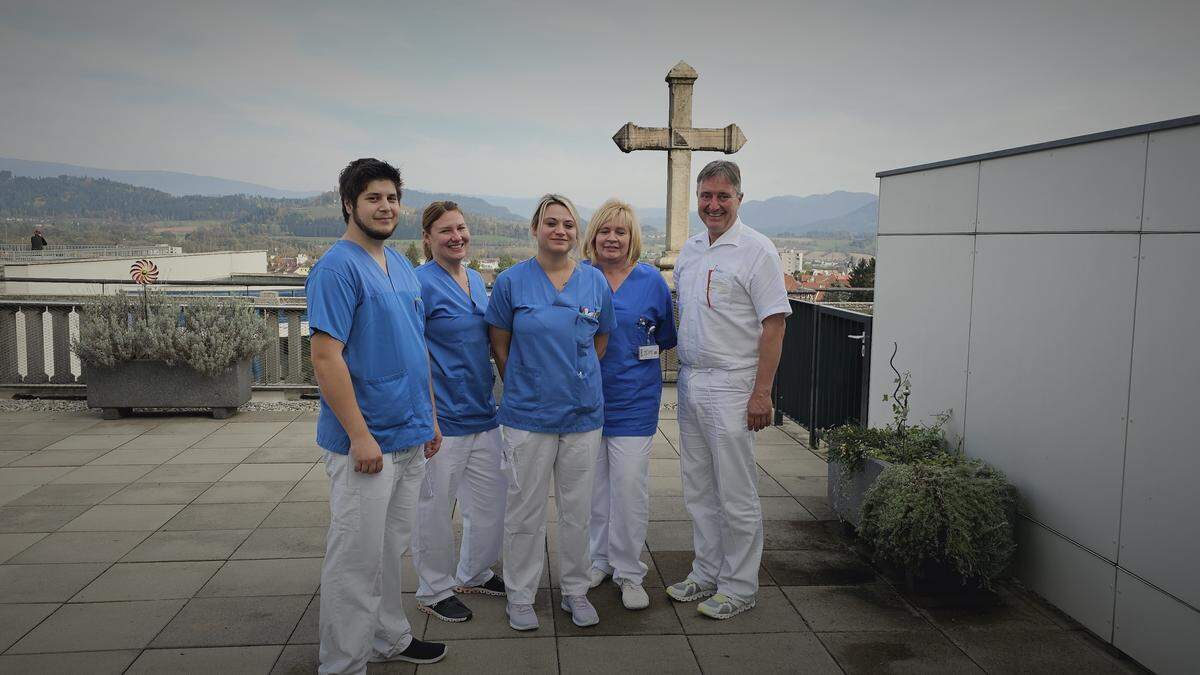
x=824, y=370
x=23, y=252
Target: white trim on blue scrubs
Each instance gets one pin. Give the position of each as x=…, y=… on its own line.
x=378, y=318
x=552, y=412
x=467, y=467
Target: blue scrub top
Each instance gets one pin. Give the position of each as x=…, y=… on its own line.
x=632, y=386
x=552, y=379
x=458, y=343
x=378, y=316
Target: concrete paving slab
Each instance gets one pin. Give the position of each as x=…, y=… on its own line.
x=1038, y=651
x=773, y=613
x=219, y=517
x=805, y=486
x=99, y=626
x=247, y=492
x=10, y=493
x=47, y=582
x=120, y=517
x=259, y=473
x=626, y=653
x=762, y=653
x=657, y=619
x=39, y=475
x=506, y=655
x=299, y=514
x=42, y=425
x=669, y=535
x=158, y=493
x=287, y=576
x=104, y=474
x=243, y=425
x=818, y=568
x=310, y=490
x=13, y=543
x=56, y=494
x=290, y=454
x=284, y=416
x=28, y=443
x=58, y=458
x=236, y=621
x=37, y=518
x=17, y=620
x=136, y=456
x=299, y=660
x=93, y=663
x=79, y=547
x=232, y=440
x=799, y=466
x=9, y=456
x=188, y=545
x=897, y=652
x=205, y=660
x=154, y=440
x=187, y=473
x=818, y=507
x=308, y=630
x=664, y=467
x=148, y=581
x=1008, y=611
x=806, y=535
x=674, y=567
x=91, y=441
x=285, y=542
x=125, y=426
x=211, y=456
x=317, y=473
x=183, y=426
x=490, y=621
x=868, y=607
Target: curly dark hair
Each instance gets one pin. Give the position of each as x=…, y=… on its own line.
x=358, y=174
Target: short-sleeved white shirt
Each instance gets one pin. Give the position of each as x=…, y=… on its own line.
x=725, y=292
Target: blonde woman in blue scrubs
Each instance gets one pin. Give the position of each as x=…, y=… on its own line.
x=550, y=318
x=467, y=468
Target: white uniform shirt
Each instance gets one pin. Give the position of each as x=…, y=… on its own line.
x=725, y=292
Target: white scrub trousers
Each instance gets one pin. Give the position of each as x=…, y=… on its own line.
x=720, y=479
x=466, y=467
x=529, y=458
x=621, y=506
x=371, y=518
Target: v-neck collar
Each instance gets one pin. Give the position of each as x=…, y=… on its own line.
x=623, y=281
x=385, y=269
x=468, y=294
x=557, y=292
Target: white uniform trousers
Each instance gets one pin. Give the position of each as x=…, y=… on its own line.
x=371, y=519
x=720, y=479
x=529, y=459
x=621, y=506
x=467, y=468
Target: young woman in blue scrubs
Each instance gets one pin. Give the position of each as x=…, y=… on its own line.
x=468, y=465
x=550, y=319
x=632, y=395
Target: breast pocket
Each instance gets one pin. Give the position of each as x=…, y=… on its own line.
x=720, y=288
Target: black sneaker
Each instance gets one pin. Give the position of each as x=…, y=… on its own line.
x=418, y=651
x=451, y=609
x=493, y=586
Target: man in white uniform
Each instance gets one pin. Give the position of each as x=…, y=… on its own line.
x=732, y=305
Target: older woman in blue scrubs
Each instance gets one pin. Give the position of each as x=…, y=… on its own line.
x=468, y=465
x=632, y=395
x=550, y=319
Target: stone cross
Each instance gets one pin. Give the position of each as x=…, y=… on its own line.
x=680, y=139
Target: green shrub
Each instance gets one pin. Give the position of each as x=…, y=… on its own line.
x=959, y=515
x=207, y=334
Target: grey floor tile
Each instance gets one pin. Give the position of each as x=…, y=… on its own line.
x=93, y=663
x=55, y=494
x=283, y=542
x=12, y=543
x=9, y=456
x=897, y=652
x=124, y=426
x=219, y=517
x=1003, y=611
x=309, y=491
x=805, y=486
x=203, y=660
x=783, y=508
x=211, y=456
x=243, y=425
x=666, y=486
x=187, y=473
x=771, y=614
x=308, y=630
x=806, y=535
x=104, y=474
x=869, y=607
x=31, y=475
x=657, y=619
x=668, y=508
x=817, y=568
x=505, y=655
x=58, y=458
x=285, y=576
x=37, y=518
x=303, y=455
x=231, y=440
x=258, y=473
x=299, y=514
x=17, y=620
x=626, y=653
x=491, y=621
x=155, y=440
x=188, y=545
x=763, y=653
x=664, y=467
x=80, y=547
x=799, y=466
x=154, y=456
x=10, y=493
x=46, y=582
x=674, y=567
x=298, y=660
x=158, y=493
x=206, y=622
x=669, y=535
x=818, y=507
x=99, y=626
x=120, y=517
x=187, y=427
x=55, y=425
x=27, y=442
x=91, y=441
x=1038, y=651
x=148, y=581
x=242, y=493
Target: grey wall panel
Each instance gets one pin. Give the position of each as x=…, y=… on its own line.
x=1172, y=175
x=1047, y=389
x=937, y=201
x=922, y=302
x=1160, y=533
x=1071, y=578
x=1156, y=629
x=1092, y=187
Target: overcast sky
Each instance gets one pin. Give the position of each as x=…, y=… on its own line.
x=522, y=98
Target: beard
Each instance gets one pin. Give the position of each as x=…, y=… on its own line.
x=374, y=234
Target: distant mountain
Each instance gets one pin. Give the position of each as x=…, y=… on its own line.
x=171, y=182
x=800, y=214
x=863, y=220
x=475, y=205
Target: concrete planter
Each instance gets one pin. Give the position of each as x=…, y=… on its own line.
x=154, y=384
x=846, y=489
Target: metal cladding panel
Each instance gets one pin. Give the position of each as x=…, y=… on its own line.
x=1172, y=175
x=1154, y=628
x=1071, y=578
x=929, y=202
x=1051, y=337
x=922, y=302
x=1096, y=187
x=1160, y=533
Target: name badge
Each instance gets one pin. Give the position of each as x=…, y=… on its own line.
x=647, y=352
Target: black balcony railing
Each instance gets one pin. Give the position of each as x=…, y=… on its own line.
x=824, y=369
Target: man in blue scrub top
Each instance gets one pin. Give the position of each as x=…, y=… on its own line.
x=369, y=356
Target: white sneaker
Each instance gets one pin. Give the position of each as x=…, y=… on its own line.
x=633, y=596
x=596, y=576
